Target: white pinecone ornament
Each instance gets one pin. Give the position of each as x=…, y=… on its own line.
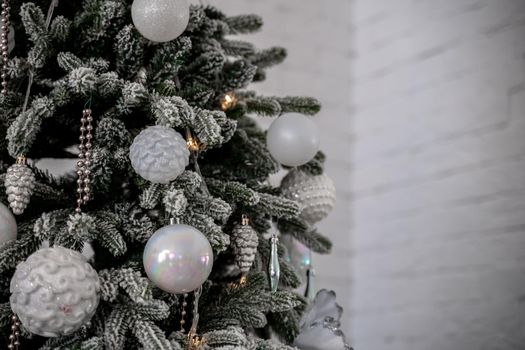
x=314, y=193
x=244, y=243
x=19, y=183
x=159, y=154
x=54, y=292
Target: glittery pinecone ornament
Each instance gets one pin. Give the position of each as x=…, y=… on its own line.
x=315, y=194
x=244, y=242
x=19, y=183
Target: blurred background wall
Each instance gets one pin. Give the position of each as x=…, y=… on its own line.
x=438, y=174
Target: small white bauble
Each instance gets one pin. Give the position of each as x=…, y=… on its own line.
x=293, y=139
x=159, y=154
x=315, y=194
x=54, y=292
x=160, y=20
x=178, y=258
x=8, y=229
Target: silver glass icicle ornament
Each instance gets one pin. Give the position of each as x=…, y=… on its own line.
x=244, y=243
x=314, y=193
x=19, y=183
x=274, y=268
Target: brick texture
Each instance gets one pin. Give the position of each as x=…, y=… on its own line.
x=438, y=175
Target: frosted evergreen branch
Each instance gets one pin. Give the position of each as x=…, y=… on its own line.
x=233, y=192
x=150, y=336
x=278, y=207
x=306, y=235
x=237, y=48
x=264, y=106
x=304, y=105
x=244, y=24
x=117, y=326
x=238, y=74
x=315, y=166
x=268, y=58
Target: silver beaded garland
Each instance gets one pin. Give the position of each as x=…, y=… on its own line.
x=4, y=43
x=85, y=159
x=14, y=341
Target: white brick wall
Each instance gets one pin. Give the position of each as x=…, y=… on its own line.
x=438, y=175
x=317, y=39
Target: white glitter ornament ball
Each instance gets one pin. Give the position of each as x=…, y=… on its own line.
x=8, y=228
x=54, y=292
x=159, y=154
x=178, y=258
x=315, y=194
x=160, y=20
x=293, y=139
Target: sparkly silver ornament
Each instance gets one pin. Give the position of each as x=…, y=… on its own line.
x=160, y=20
x=321, y=325
x=315, y=194
x=244, y=243
x=54, y=292
x=19, y=183
x=159, y=154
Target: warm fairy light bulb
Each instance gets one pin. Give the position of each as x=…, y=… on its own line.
x=229, y=100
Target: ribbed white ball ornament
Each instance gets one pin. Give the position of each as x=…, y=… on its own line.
x=315, y=194
x=160, y=20
x=159, y=154
x=54, y=292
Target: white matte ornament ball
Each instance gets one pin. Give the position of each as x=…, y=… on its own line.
x=293, y=139
x=54, y=292
x=315, y=194
x=160, y=20
x=178, y=258
x=8, y=228
x=159, y=154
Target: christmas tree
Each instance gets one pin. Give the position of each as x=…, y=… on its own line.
x=171, y=164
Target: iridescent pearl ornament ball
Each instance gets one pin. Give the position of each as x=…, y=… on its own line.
x=54, y=292
x=178, y=258
x=8, y=228
x=293, y=139
x=160, y=20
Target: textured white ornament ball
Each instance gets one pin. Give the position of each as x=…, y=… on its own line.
x=315, y=194
x=160, y=20
x=178, y=258
x=8, y=228
x=293, y=139
x=54, y=292
x=159, y=154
